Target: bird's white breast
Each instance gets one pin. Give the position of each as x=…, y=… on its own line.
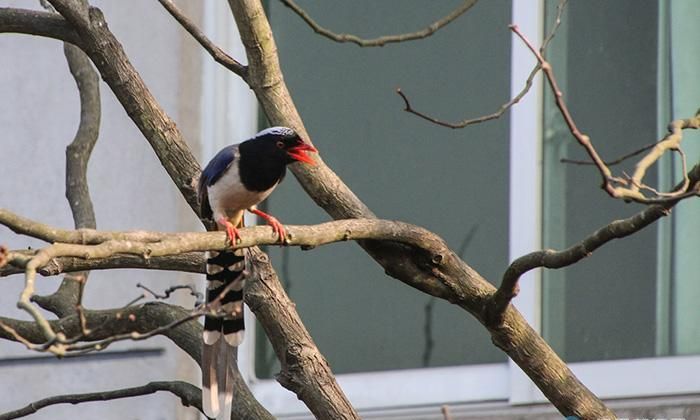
x=228, y=196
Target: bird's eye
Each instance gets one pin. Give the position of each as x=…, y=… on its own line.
x=280, y=144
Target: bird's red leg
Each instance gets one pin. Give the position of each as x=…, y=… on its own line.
x=231, y=230
x=277, y=227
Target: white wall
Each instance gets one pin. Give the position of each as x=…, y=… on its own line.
x=39, y=113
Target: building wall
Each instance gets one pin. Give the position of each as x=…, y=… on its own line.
x=39, y=113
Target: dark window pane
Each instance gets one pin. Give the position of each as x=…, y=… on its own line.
x=454, y=182
x=605, y=56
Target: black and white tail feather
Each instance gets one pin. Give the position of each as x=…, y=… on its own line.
x=223, y=332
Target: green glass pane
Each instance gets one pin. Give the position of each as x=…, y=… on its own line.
x=454, y=182
x=605, y=57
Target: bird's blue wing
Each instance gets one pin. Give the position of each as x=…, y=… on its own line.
x=211, y=173
x=218, y=165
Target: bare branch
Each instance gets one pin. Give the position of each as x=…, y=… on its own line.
x=461, y=124
x=78, y=152
x=100, y=244
x=167, y=292
x=69, y=295
x=190, y=396
x=217, y=53
x=447, y=277
x=145, y=318
x=34, y=22
x=616, y=187
x=191, y=262
x=503, y=108
x=549, y=258
x=383, y=40
x=304, y=369
x=614, y=161
x=116, y=70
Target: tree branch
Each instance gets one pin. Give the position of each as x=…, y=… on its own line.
x=382, y=40
x=34, y=22
x=142, y=319
x=216, y=53
x=461, y=124
x=111, y=61
x=190, y=262
x=503, y=108
x=450, y=278
x=190, y=396
x=304, y=369
x=69, y=295
x=549, y=258
x=626, y=189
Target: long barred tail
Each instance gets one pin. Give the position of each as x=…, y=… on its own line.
x=226, y=273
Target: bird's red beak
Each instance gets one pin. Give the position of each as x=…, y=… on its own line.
x=297, y=153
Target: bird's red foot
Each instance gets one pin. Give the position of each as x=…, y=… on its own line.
x=231, y=231
x=277, y=227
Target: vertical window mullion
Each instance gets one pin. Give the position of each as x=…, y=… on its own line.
x=525, y=176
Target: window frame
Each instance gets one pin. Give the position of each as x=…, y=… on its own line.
x=502, y=383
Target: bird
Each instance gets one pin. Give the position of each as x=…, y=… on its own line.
x=237, y=178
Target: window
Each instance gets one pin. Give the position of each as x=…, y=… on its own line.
x=525, y=198
x=626, y=308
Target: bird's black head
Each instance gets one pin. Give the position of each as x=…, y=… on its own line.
x=278, y=144
x=264, y=158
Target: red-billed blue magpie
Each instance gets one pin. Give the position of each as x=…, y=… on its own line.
x=235, y=180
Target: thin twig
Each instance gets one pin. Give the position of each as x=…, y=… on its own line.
x=583, y=139
x=382, y=40
x=504, y=107
x=461, y=124
x=614, y=161
x=627, y=189
x=217, y=53
x=189, y=394
x=557, y=22
x=167, y=292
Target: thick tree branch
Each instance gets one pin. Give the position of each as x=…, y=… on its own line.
x=382, y=40
x=69, y=295
x=79, y=151
x=216, y=53
x=100, y=244
x=450, y=278
x=190, y=396
x=109, y=57
x=34, y=22
x=106, y=53
x=304, y=369
x=191, y=262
